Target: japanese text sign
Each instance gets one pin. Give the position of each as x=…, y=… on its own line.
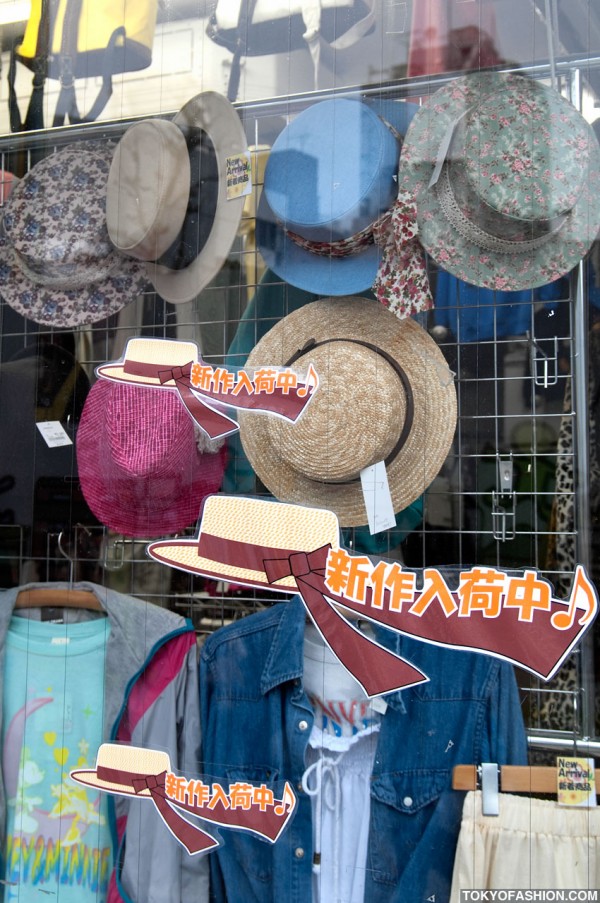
x=204, y=390
x=511, y=615
x=146, y=775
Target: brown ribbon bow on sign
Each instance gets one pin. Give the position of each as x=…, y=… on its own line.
x=214, y=423
x=200, y=401
x=376, y=668
x=268, y=822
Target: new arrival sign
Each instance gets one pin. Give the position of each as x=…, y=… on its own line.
x=205, y=391
x=146, y=774
x=294, y=549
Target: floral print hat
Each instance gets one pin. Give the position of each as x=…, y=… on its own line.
x=58, y=266
x=506, y=176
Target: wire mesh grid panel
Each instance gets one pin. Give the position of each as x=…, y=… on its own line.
x=505, y=497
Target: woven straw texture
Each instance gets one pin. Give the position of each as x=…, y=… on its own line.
x=160, y=352
x=256, y=522
x=124, y=758
x=358, y=413
x=140, y=469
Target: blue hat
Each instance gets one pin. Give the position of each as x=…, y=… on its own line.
x=331, y=173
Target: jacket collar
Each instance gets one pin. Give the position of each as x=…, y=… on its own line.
x=285, y=659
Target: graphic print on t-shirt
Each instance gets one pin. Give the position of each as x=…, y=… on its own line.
x=57, y=837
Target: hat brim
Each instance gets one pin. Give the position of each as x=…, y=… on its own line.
x=434, y=421
x=66, y=308
x=446, y=245
x=212, y=113
x=237, y=533
x=316, y=273
x=91, y=779
x=183, y=555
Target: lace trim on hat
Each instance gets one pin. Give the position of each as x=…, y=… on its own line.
x=486, y=240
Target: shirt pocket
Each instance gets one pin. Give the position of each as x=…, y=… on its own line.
x=402, y=806
x=253, y=854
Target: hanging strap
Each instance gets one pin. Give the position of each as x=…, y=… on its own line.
x=323, y=51
x=320, y=49
x=34, y=118
x=66, y=105
x=243, y=25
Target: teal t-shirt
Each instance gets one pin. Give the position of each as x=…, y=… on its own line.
x=57, y=837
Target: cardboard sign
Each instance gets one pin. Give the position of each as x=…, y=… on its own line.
x=146, y=775
x=204, y=390
x=289, y=548
x=575, y=782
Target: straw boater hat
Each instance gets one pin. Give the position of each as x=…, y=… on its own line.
x=58, y=266
x=385, y=394
x=141, y=469
x=114, y=760
x=236, y=534
x=144, y=359
x=506, y=175
x=330, y=175
x=175, y=194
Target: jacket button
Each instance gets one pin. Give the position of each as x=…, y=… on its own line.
x=407, y=801
x=302, y=725
x=299, y=853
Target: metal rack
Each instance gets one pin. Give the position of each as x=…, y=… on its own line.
x=492, y=501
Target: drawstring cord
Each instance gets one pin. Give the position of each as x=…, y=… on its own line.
x=326, y=788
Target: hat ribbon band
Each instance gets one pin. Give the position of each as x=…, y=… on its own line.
x=377, y=669
x=486, y=240
x=199, y=401
x=401, y=283
x=268, y=822
x=193, y=838
x=401, y=374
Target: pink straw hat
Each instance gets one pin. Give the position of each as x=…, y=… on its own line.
x=142, y=470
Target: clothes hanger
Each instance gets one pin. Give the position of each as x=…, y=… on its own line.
x=49, y=597
x=492, y=779
x=53, y=597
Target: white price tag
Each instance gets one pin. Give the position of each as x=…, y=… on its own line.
x=53, y=433
x=378, y=499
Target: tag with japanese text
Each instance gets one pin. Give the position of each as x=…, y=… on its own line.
x=378, y=499
x=238, y=178
x=576, y=781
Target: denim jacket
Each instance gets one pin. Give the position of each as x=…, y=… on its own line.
x=256, y=721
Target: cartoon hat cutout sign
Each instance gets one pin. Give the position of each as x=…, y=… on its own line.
x=288, y=548
x=146, y=775
x=203, y=390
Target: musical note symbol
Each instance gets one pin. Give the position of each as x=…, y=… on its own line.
x=584, y=591
x=311, y=383
x=287, y=802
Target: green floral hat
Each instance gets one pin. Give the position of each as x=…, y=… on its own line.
x=506, y=174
